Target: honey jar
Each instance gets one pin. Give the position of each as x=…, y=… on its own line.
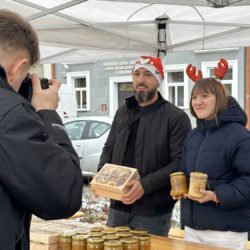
x=129, y=244
x=65, y=241
x=113, y=245
x=198, y=181
x=95, y=243
x=178, y=184
x=144, y=241
x=79, y=242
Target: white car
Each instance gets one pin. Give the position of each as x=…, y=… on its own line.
x=88, y=135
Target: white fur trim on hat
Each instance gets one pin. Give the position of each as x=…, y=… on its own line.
x=150, y=68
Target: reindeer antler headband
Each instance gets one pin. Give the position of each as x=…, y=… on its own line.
x=219, y=71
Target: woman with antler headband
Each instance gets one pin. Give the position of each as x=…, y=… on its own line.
x=220, y=147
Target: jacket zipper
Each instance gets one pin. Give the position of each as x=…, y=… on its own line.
x=196, y=165
x=196, y=169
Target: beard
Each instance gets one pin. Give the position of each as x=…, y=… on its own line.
x=142, y=97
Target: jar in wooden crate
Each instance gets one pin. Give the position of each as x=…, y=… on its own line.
x=79, y=242
x=113, y=245
x=178, y=184
x=96, y=243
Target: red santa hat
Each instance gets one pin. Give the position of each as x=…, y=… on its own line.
x=152, y=64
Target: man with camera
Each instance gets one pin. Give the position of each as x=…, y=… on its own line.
x=39, y=169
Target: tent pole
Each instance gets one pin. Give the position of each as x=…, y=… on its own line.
x=162, y=42
x=247, y=104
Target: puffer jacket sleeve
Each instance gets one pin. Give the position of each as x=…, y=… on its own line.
x=39, y=167
x=236, y=194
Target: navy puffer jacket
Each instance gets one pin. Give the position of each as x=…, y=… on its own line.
x=222, y=150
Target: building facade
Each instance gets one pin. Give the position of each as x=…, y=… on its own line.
x=100, y=87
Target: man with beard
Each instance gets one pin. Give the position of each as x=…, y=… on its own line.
x=147, y=134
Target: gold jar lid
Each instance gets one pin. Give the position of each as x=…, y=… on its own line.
x=67, y=234
x=142, y=237
x=139, y=231
x=81, y=231
x=96, y=229
x=80, y=237
x=95, y=234
x=177, y=173
x=95, y=240
x=198, y=175
x=113, y=243
x=124, y=234
x=109, y=231
x=110, y=237
x=128, y=241
x=122, y=228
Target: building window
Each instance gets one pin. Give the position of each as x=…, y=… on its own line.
x=229, y=80
x=81, y=84
x=176, y=85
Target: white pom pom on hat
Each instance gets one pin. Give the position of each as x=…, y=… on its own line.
x=152, y=64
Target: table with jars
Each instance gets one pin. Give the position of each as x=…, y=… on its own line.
x=123, y=238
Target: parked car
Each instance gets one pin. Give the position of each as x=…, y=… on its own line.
x=88, y=135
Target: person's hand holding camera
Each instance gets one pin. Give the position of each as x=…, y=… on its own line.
x=45, y=98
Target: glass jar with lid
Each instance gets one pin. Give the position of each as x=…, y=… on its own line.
x=96, y=243
x=113, y=245
x=79, y=242
x=144, y=241
x=178, y=184
x=129, y=244
x=198, y=181
x=65, y=240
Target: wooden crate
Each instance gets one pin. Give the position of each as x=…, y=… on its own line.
x=44, y=241
x=111, y=181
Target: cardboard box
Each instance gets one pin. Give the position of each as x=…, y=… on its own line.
x=111, y=181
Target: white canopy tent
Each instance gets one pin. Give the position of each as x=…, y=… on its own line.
x=81, y=31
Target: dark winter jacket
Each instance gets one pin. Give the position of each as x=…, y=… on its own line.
x=160, y=135
x=39, y=169
x=223, y=152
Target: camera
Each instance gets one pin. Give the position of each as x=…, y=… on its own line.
x=26, y=87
